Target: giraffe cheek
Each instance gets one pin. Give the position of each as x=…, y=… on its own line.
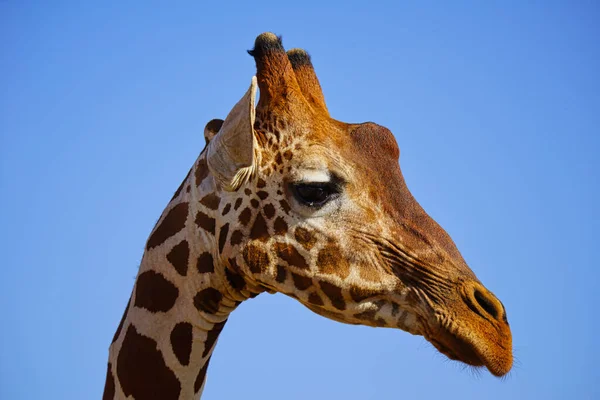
x=305, y=237
x=331, y=261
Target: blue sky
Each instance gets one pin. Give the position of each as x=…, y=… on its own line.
x=495, y=105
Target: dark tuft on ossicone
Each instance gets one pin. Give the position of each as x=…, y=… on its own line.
x=266, y=43
x=299, y=58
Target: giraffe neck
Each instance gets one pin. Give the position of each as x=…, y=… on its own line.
x=181, y=300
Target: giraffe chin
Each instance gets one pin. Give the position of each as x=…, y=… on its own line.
x=471, y=351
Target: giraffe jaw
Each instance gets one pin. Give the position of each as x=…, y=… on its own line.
x=472, y=350
x=456, y=349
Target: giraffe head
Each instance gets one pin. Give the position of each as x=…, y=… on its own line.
x=318, y=209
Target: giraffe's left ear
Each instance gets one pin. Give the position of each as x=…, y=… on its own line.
x=231, y=154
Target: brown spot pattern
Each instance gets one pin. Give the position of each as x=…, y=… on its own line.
x=178, y=257
x=359, y=294
x=118, y=332
x=154, y=293
x=236, y=238
x=278, y=159
x=236, y=281
x=301, y=282
x=211, y=337
x=289, y=254
x=281, y=274
x=366, y=315
x=200, y=377
x=256, y=258
x=201, y=171
x=238, y=203
x=334, y=294
x=281, y=227
x=269, y=210
x=262, y=194
x=288, y=155
x=173, y=222
x=254, y=203
x=181, y=185
x=181, y=342
x=142, y=371
x=226, y=209
x=305, y=237
x=211, y=201
x=285, y=206
x=261, y=183
x=248, y=192
x=205, y=263
x=402, y=319
x=315, y=299
x=208, y=300
x=109, y=386
x=330, y=261
x=223, y=232
x=205, y=222
x=245, y=216
x=260, y=230
x=379, y=303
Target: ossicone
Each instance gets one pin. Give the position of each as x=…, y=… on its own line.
x=276, y=79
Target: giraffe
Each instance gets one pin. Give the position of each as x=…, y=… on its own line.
x=284, y=198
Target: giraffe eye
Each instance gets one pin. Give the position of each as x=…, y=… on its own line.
x=315, y=194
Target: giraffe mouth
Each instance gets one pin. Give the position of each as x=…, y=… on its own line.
x=465, y=351
x=458, y=349
x=477, y=349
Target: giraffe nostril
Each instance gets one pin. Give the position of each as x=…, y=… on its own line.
x=484, y=303
x=488, y=305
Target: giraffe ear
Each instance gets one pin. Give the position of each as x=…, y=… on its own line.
x=231, y=152
x=212, y=128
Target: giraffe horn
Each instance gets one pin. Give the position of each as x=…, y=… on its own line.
x=307, y=79
x=276, y=77
x=231, y=152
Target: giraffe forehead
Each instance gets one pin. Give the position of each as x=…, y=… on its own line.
x=376, y=141
x=372, y=149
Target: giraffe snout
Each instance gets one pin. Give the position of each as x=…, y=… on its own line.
x=478, y=333
x=483, y=302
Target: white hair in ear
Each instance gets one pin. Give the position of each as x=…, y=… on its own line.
x=232, y=153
